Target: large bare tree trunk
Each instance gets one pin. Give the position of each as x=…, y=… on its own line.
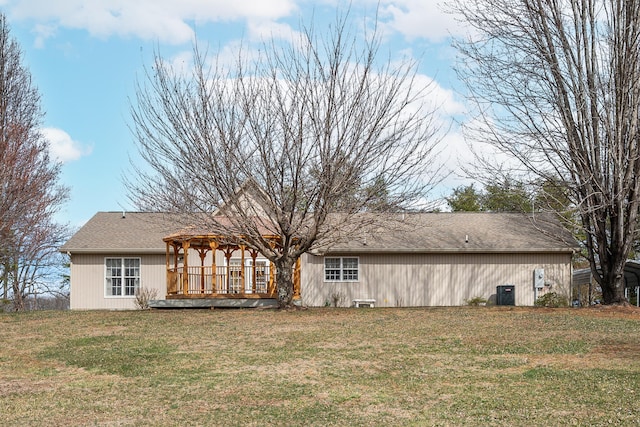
x=18, y=296
x=284, y=281
x=614, y=292
x=610, y=277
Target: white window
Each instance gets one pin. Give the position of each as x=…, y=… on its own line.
x=236, y=271
x=341, y=269
x=262, y=274
x=235, y=275
x=122, y=276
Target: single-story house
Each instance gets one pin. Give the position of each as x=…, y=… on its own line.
x=419, y=259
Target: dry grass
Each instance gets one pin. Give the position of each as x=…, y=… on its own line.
x=445, y=366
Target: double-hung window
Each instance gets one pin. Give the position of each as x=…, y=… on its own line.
x=235, y=276
x=341, y=269
x=122, y=276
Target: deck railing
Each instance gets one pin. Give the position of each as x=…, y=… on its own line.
x=228, y=281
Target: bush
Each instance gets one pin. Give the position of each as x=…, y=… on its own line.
x=552, y=299
x=476, y=301
x=338, y=299
x=143, y=296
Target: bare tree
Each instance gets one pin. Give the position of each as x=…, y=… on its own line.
x=36, y=263
x=29, y=190
x=557, y=85
x=308, y=128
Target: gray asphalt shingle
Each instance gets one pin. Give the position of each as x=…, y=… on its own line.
x=417, y=232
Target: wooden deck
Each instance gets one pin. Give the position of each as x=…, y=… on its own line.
x=228, y=282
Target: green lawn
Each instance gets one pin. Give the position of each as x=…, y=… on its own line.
x=440, y=366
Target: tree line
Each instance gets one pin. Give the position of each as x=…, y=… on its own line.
x=510, y=195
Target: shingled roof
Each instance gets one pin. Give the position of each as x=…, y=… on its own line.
x=142, y=232
x=130, y=232
x=485, y=232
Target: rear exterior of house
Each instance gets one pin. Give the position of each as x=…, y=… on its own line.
x=113, y=255
x=444, y=259
x=440, y=259
x=108, y=281
x=415, y=280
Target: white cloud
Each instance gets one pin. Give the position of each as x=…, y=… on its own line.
x=260, y=30
x=441, y=99
x=43, y=32
x=173, y=21
x=169, y=21
x=181, y=62
x=420, y=18
x=62, y=147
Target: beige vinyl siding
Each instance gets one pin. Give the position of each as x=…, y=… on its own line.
x=88, y=281
x=436, y=279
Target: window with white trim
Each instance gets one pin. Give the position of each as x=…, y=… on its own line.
x=341, y=269
x=262, y=274
x=235, y=275
x=122, y=276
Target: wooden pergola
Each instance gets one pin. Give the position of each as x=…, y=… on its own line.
x=235, y=279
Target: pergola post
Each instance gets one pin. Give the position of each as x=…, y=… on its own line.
x=214, y=269
x=271, y=289
x=227, y=255
x=296, y=279
x=272, y=285
x=173, y=275
x=203, y=254
x=185, y=267
x=176, y=252
x=254, y=255
x=169, y=275
x=167, y=256
x=242, y=278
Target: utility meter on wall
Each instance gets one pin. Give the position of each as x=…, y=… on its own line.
x=538, y=278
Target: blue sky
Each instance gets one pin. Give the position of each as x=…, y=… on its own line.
x=85, y=56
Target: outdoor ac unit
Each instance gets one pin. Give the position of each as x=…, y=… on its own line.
x=506, y=295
